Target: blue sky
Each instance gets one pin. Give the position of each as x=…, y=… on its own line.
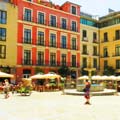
x=94, y=7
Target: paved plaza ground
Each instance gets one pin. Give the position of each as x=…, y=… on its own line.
x=55, y=106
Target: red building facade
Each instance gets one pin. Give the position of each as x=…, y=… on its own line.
x=48, y=37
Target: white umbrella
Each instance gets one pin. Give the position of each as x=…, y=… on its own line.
x=38, y=76
x=104, y=77
x=118, y=78
x=112, y=77
x=96, y=77
x=83, y=78
x=51, y=75
x=5, y=75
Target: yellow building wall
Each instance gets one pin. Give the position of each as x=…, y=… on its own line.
x=89, y=44
x=111, y=44
x=11, y=35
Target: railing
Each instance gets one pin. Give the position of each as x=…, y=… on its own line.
x=95, y=41
x=95, y=54
x=49, y=23
x=85, y=53
x=27, y=41
x=85, y=39
x=103, y=41
x=104, y=56
x=48, y=63
x=41, y=43
x=27, y=62
x=115, y=38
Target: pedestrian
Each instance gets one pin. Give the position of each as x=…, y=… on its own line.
x=87, y=92
x=6, y=88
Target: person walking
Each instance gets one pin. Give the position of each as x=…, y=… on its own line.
x=6, y=88
x=87, y=92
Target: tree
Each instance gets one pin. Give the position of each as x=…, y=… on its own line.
x=64, y=71
x=109, y=70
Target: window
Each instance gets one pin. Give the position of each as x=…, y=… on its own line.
x=94, y=63
x=74, y=26
x=73, y=10
x=94, y=50
x=74, y=43
x=85, y=49
x=40, y=58
x=3, y=17
x=2, y=51
x=52, y=59
x=84, y=61
x=117, y=34
x=53, y=40
x=27, y=57
x=84, y=35
x=105, y=37
x=63, y=59
x=53, y=21
x=94, y=37
x=2, y=34
x=40, y=38
x=27, y=15
x=64, y=23
x=105, y=64
x=63, y=42
x=117, y=64
x=41, y=18
x=73, y=60
x=105, y=52
x=117, y=51
x=26, y=73
x=27, y=36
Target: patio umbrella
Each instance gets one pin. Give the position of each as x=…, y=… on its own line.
x=118, y=78
x=112, y=77
x=104, y=77
x=96, y=77
x=51, y=75
x=83, y=78
x=5, y=75
x=38, y=76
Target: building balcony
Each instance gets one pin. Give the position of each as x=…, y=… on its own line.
x=27, y=62
x=85, y=39
x=41, y=43
x=104, y=56
x=95, y=41
x=85, y=53
x=116, y=38
x=116, y=55
x=104, y=41
x=49, y=23
x=95, y=54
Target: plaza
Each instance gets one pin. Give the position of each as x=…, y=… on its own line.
x=55, y=106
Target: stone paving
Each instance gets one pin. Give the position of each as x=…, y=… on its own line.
x=55, y=106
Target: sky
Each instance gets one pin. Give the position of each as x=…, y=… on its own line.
x=94, y=7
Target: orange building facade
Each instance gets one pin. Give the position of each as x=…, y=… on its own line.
x=48, y=37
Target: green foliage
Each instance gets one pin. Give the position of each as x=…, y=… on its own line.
x=25, y=89
x=64, y=71
x=109, y=70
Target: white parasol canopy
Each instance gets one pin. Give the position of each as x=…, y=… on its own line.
x=96, y=77
x=118, y=78
x=51, y=75
x=112, y=77
x=38, y=76
x=104, y=77
x=83, y=78
x=5, y=75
